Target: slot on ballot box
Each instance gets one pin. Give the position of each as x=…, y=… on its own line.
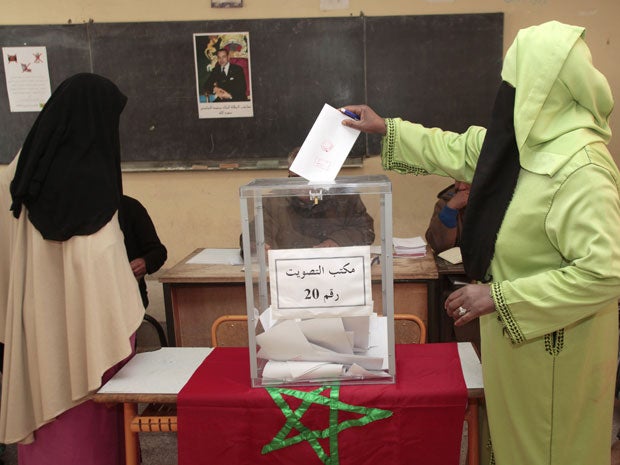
x=309, y=280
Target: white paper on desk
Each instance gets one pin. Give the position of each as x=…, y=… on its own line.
x=452, y=255
x=320, y=282
x=409, y=242
x=470, y=364
x=217, y=257
x=326, y=147
x=163, y=371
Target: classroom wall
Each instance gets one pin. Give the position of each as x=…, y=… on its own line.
x=201, y=209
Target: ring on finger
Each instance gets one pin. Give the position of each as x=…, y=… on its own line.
x=461, y=311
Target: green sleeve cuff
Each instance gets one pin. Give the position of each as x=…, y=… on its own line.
x=387, y=144
x=388, y=151
x=511, y=328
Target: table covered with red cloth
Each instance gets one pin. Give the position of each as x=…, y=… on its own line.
x=222, y=420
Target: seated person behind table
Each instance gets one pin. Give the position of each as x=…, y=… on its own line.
x=145, y=251
x=299, y=222
x=444, y=229
x=444, y=232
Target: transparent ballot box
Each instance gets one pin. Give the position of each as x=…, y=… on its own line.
x=318, y=265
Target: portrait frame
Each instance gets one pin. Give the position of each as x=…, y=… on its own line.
x=206, y=47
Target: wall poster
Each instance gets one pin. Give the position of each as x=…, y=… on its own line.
x=27, y=77
x=223, y=75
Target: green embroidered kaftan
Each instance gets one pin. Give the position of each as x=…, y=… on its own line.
x=549, y=352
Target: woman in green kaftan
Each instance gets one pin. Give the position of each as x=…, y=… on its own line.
x=543, y=221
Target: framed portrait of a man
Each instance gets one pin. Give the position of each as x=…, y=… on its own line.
x=223, y=74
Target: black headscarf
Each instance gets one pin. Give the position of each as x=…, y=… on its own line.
x=492, y=188
x=69, y=172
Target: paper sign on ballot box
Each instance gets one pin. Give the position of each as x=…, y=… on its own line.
x=310, y=283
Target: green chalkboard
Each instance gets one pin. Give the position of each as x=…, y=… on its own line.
x=438, y=70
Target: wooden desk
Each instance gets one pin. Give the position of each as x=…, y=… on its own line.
x=159, y=376
x=441, y=324
x=196, y=294
x=451, y=277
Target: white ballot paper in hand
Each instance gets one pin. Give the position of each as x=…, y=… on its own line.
x=326, y=147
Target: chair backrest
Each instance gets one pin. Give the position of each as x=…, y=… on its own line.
x=150, y=335
x=409, y=329
x=230, y=331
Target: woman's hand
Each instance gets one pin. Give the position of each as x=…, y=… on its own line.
x=138, y=266
x=469, y=302
x=369, y=121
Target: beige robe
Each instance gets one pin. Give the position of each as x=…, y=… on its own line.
x=67, y=311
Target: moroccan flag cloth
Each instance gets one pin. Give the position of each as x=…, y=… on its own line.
x=222, y=420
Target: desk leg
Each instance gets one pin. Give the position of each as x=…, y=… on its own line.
x=471, y=416
x=169, y=315
x=132, y=450
x=433, y=306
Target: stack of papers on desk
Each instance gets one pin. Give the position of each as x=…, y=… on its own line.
x=409, y=247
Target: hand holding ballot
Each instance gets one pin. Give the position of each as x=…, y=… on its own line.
x=323, y=221
x=369, y=122
x=326, y=147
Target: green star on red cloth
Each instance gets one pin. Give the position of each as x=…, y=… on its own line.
x=294, y=418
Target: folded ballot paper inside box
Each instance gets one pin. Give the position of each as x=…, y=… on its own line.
x=335, y=337
x=409, y=247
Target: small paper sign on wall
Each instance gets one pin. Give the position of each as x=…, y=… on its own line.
x=27, y=77
x=320, y=282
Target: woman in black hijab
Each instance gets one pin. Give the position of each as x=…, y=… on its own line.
x=69, y=171
x=71, y=305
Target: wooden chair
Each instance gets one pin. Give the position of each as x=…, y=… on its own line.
x=409, y=329
x=226, y=331
x=230, y=331
x=150, y=335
